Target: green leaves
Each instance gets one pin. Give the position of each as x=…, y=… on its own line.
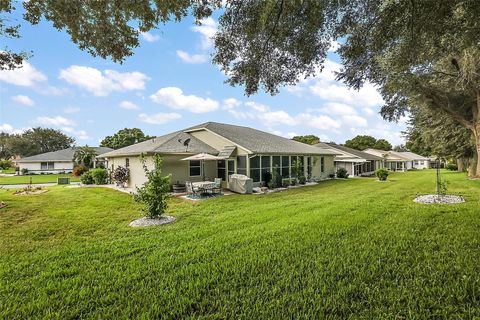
x=155, y=192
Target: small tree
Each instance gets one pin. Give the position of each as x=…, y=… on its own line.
x=121, y=175
x=154, y=193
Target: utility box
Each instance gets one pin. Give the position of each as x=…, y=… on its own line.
x=63, y=180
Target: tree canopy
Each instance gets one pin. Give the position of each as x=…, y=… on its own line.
x=85, y=156
x=33, y=141
x=417, y=53
x=124, y=137
x=362, y=142
x=308, y=139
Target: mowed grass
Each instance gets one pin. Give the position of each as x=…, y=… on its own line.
x=36, y=178
x=342, y=249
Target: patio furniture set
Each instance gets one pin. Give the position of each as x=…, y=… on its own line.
x=204, y=188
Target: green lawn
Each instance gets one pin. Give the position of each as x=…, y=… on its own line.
x=341, y=249
x=37, y=178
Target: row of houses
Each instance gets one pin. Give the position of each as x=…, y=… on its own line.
x=241, y=150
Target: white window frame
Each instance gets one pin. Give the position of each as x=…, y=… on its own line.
x=190, y=166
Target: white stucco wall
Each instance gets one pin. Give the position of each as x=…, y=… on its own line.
x=172, y=164
x=35, y=167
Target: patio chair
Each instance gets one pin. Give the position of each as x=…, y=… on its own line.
x=217, y=189
x=191, y=190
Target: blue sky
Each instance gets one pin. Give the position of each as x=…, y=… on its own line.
x=170, y=84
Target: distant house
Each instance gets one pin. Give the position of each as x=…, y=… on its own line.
x=357, y=163
x=401, y=161
x=243, y=150
x=52, y=162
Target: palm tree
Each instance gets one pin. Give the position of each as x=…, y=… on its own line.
x=85, y=155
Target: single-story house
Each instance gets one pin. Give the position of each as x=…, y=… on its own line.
x=53, y=162
x=243, y=150
x=357, y=163
x=401, y=161
x=416, y=161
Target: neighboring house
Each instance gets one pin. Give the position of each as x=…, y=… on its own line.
x=245, y=151
x=416, y=161
x=53, y=162
x=357, y=163
x=401, y=161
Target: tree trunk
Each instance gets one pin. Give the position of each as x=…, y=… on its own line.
x=461, y=164
x=474, y=172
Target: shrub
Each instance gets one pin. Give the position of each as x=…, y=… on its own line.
x=342, y=173
x=154, y=193
x=121, y=175
x=276, y=181
x=452, y=167
x=293, y=182
x=99, y=175
x=87, y=178
x=285, y=182
x=382, y=174
x=79, y=170
x=331, y=175
x=302, y=179
x=24, y=171
x=6, y=164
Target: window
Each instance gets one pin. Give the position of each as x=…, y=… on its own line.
x=255, y=169
x=195, y=168
x=285, y=166
x=276, y=164
x=302, y=165
x=415, y=162
x=221, y=169
x=127, y=162
x=309, y=166
x=266, y=164
x=47, y=166
x=242, y=165
x=421, y=163
x=322, y=164
x=231, y=167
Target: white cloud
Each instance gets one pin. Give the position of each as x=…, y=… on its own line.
x=334, y=108
x=6, y=128
x=102, y=84
x=80, y=134
x=159, y=118
x=231, y=103
x=25, y=100
x=71, y=110
x=58, y=121
x=9, y=129
x=174, y=98
x=192, y=58
x=128, y=105
x=321, y=122
x=26, y=76
x=272, y=118
x=326, y=87
x=149, y=37
x=207, y=29
x=354, y=121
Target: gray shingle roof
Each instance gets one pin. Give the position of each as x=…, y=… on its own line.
x=253, y=140
x=358, y=153
x=258, y=141
x=60, y=155
x=169, y=143
x=412, y=156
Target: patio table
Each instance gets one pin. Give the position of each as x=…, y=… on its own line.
x=204, y=186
